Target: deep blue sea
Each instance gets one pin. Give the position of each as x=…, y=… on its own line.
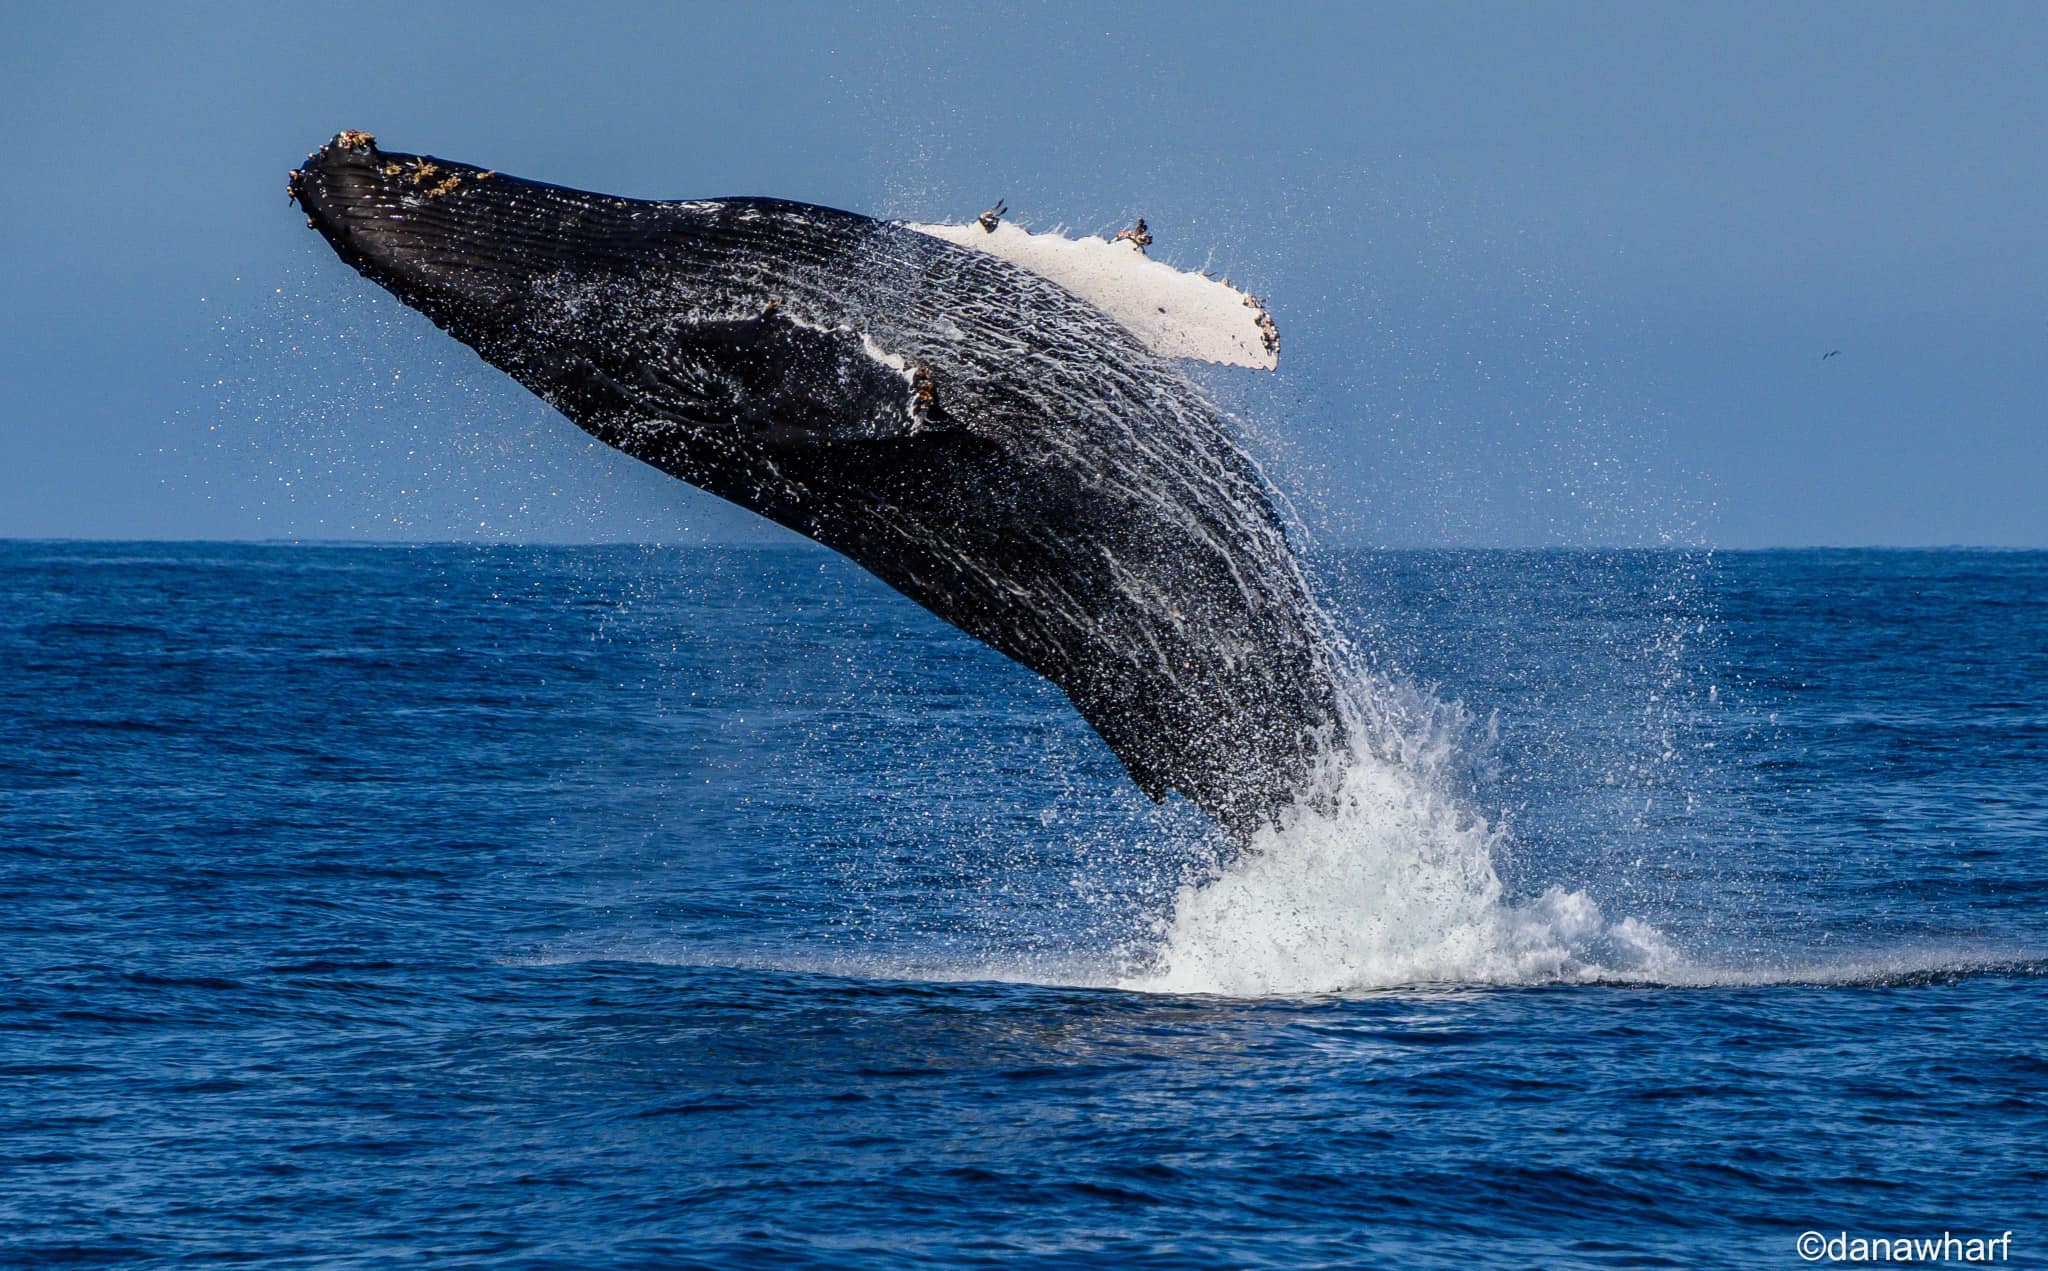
x=593, y=907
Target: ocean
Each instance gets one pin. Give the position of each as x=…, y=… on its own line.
x=494, y=906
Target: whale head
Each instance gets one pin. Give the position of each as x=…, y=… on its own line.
x=639, y=320
x=456, y=241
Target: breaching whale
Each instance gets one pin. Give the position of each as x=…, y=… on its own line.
x=988, y=441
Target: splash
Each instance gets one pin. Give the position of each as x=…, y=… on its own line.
x=1384, y=877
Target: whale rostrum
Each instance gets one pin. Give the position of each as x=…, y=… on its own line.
x=988, y=440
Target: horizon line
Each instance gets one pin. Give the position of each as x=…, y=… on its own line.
x=819, y=548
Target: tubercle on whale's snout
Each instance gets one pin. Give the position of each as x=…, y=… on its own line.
x=295, y=189
x=347, y=141
x=330, y=176
x=351, y=169
x=390, y=215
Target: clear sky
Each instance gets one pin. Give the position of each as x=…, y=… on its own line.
x=1544, y=273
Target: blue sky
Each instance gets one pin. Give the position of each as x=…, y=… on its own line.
x=1545, y=274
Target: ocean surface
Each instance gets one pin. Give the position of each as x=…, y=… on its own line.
x=522, y=907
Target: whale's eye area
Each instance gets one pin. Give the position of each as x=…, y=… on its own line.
x=789, y=384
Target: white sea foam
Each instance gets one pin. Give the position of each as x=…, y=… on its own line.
x=1385, y=877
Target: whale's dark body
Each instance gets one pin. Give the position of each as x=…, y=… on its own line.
x=992, y=447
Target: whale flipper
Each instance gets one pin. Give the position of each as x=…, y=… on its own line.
x=988, y=443
x=1173, y=312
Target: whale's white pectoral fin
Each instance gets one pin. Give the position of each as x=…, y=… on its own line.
x=1173, y=312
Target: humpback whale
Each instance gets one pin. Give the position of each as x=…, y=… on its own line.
x=991, y=443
